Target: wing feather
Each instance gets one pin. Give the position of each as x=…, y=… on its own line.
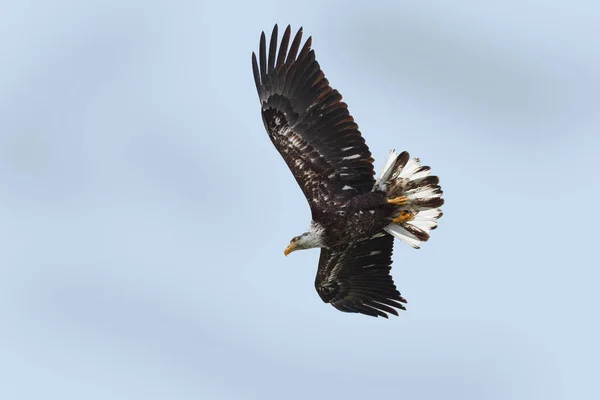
x=356, y=278
x=295, y=46
x=308, y=123
x=272, y=50
x=263, y=57
x=285, y=40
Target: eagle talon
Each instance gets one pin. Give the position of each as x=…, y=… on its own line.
x=404, y=216
x=399, y=201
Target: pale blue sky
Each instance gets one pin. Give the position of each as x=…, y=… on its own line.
x=144, y=211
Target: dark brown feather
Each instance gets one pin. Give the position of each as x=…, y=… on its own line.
x=356, y=278
x=295, y=46
x=272, y=50
x=256, y=73
x=430, y=202
x=285, y=39
x=309, y=124
x=263, y=58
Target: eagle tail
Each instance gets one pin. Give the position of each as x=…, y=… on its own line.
x=416, y=194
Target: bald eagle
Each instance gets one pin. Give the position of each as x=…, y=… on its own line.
x=355, y=218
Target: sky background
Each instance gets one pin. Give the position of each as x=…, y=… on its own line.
x=144, y=211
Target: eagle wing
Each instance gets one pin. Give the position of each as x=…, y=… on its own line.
x=356, y=278
x=309, y=124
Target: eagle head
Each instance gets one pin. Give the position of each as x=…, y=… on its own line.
x=308, y=240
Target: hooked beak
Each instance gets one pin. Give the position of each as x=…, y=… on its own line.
x=290, y=248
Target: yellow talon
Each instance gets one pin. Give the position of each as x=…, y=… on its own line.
x=404, y=216
x=399, y=201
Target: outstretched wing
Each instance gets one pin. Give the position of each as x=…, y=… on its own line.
x=309, y=124
x=356, y=278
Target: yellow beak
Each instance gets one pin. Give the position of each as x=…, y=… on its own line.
x=290, y=248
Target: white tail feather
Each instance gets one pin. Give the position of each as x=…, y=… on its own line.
x=410, y=168
x=426, y=220
x=423, y=193
x=402, y=234
x=387, y=170
x=420, y=175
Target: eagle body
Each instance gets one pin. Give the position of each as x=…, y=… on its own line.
x=361, y=216
x=355, y=217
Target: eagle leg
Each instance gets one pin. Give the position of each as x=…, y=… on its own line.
x=399, y=201
x=404, y=216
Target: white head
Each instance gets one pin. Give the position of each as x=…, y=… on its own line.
x=308, y=240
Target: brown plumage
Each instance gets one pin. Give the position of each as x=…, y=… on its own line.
x=354, y=221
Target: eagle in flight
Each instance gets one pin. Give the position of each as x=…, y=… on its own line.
x=355, y=217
